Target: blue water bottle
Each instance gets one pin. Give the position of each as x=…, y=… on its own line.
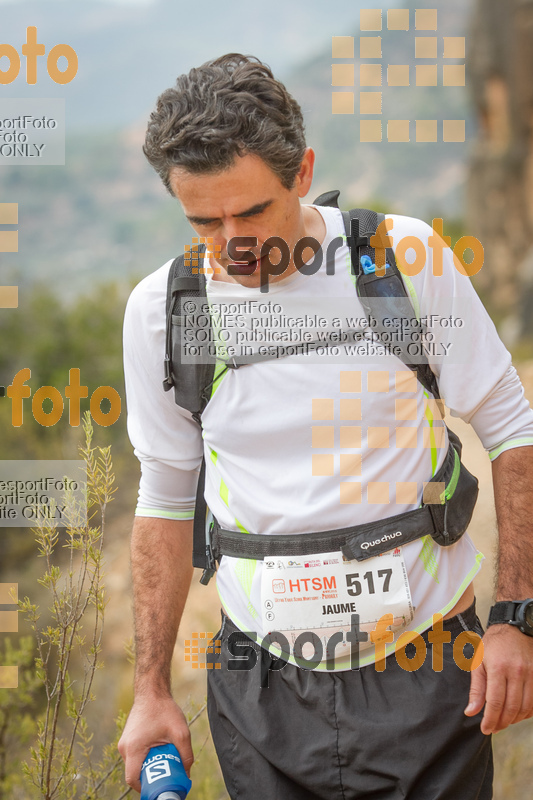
x=163, y=776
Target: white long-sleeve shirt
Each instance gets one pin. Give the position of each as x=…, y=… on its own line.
x=295, y=447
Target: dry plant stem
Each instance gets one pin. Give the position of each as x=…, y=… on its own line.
x=68, y=610
x=198, y=714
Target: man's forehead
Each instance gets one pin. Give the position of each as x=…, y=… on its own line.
x=239, y=175
x=228, y=193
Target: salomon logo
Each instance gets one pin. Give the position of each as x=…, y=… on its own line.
x=366, y=545
x=161, y=769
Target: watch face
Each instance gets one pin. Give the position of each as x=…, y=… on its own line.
x=528, y=615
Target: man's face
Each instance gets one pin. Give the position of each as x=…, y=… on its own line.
x=247, y=199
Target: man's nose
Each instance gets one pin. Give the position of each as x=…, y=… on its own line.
x=235, y=230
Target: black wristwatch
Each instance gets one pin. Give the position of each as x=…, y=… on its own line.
x=519, y=614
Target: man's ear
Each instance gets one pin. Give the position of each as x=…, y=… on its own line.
x=304, y=178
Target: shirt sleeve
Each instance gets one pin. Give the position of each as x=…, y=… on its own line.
x=166, y=440
x=476, y=378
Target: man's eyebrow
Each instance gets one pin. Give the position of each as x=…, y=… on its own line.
x=249, y=212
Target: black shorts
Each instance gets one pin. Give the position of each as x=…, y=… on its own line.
x=355, y=735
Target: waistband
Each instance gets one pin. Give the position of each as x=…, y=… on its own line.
x=362, y=541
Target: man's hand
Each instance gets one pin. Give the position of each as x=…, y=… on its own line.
x=161, y=569
x=504, y=681
x=153, y=721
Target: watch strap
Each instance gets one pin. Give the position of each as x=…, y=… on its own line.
x=503, y=611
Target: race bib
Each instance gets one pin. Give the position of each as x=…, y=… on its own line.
x=320, y=594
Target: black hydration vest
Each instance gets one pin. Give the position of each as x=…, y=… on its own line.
x=449, y=511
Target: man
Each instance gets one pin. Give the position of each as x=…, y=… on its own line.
x=299, y=447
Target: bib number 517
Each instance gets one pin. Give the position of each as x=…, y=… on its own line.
x=354, y=587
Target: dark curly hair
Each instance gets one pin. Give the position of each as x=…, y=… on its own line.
x=228, y=107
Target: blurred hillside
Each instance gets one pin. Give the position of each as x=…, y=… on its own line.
x=105, y=214
x=129, y=52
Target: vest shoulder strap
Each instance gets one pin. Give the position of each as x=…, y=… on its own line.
x=383, y=294
x=189, y=375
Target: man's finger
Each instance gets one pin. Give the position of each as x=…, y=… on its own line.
x=133, y=770
x=186, y=754
x=494, y=703
x=526, y=709
x=513, y=704
x=478, y=686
